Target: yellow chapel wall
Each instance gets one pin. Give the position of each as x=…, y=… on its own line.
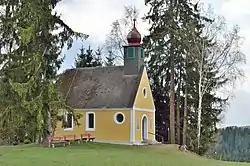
x=141, y=101
x=105, y=127
x=144, y=106
x=138, y=125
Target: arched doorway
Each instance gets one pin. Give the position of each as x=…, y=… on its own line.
x=144, y=127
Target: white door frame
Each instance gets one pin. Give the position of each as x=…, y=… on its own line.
x=144, y=128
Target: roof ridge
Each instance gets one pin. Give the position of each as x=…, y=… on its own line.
x=98, y=67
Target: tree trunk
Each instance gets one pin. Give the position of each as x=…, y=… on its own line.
x=48, y=131
x=184, y=141
x=178, y=112
x=199, y=112
x=172, y=109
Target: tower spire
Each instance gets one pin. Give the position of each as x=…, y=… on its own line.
x=134, y=37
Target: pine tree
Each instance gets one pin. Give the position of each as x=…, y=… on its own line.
x=86, y=58
x=166, y=49
x=29, y=66
x=110, y=59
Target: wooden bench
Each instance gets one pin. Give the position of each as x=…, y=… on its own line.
x=87, y=137
x=56, y=141
x=71, y=138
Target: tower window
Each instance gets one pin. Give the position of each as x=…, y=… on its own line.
x=142, y=53
x=131, y=53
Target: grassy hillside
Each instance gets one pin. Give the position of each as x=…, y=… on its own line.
x=103, y=154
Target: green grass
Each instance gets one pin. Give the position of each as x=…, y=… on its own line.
x=94, y=154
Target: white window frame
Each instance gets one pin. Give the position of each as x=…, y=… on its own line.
x=115, y=119
x=145, y=96
x=87, y=121
x=66, y=119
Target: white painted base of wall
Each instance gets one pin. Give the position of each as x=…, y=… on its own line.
x=137, y=143
x=113, y=142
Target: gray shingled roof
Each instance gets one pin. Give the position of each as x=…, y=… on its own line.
x=100, y=87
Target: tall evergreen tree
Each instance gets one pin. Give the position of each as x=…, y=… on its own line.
x=87, y=58
x=29, y=65
x=110, y=59
x=169, y=20
x=177, y=36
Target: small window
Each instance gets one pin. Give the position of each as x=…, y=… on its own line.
x=68, y=121
x=90, y=121
x=131, y=53
x=119, y=118
x=137, y=123
x=151, y=123
x=144, y=92
x=142, y=53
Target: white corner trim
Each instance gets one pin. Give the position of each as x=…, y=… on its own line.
x=115, y=118
x=144, y=109
x=154, y=127
x=150, y=90
x=87, y=122
x=131, y=126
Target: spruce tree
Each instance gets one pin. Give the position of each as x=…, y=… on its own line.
x=169, y=21
x=87, y=58
x=29, y=66
x=110, y=59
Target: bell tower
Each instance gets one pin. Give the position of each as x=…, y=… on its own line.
x=133, y=53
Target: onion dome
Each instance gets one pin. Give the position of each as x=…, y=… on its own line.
x=134, y=37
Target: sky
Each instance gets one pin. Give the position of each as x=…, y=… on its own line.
x=94, y=17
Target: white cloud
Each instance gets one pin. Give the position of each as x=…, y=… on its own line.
x=235, y=8
x=94, y=17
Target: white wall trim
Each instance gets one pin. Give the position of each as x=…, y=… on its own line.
x=102, y=109
x=150, y=88
x=132, y=126
x=133, y=111
x=113, y=142
x=132, y=114
x=72, y=122
x=87, y=122
x=143, y=109
x=154, y=126
x=115, y=119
